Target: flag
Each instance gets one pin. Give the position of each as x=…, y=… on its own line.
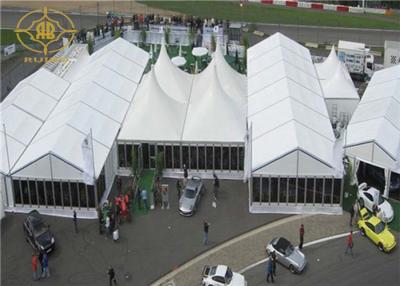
x=87, y=154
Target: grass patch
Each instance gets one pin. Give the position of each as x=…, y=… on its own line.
x=9, y=37
x=395, y=223
x=260, y=13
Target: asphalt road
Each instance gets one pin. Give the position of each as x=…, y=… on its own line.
x=327, y=265
x=149, y=247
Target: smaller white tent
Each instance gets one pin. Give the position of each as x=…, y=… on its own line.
x=340, y=95
x=327, y=69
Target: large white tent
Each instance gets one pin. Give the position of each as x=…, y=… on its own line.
x=373, y=134
x=290, y=134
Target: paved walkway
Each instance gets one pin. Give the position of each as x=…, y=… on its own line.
x=250, y=247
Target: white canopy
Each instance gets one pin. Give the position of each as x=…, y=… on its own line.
x=290, y=128
x=373, y=134
x=328, y=68
x=98, y=99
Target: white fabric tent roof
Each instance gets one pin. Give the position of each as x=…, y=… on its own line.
x=339, y=86
x=98, y=99
x=24, y=111
x=172, y=105
x=373, y=134
x=286, y=109
x=328, y=68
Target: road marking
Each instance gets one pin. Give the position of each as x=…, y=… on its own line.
x=305, y=245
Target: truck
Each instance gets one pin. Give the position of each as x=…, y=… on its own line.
x=357, y=58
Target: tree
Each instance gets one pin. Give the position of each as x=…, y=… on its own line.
x=213, y=43
x=143, y=36
x=159, y=164
x=90, y=46
x=135, y=163
x=117, y=34
x=167, y=33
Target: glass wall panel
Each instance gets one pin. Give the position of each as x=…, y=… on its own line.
x=318, y=191
x=185, y=156
x=168, y=157
x=82, y=195
x=49, y=193
x=136, y=150
x=74, y=194
x=177, y=157
x=41, y=193
x=274, y=190
x=292, y=190
x=202, y=158
x=283, y=190
x=225, y=158
x=17, y=193
x=152, y=156
x=241, y=158
x=91, y=199
x=328, y=191
x=145, y=153
x=129, y=155
x=25, y=193
x=217, y=157
x=310, y=190
x=234, y=158
x=301, y=188
x=57, y=193
x=121, y=155
x=66, y=197
x=336, y=191
x=32, y=189
x=265, y=190
x=210, y=158
x=256, y=189
x=193, y=157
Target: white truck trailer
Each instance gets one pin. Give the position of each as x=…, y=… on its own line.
x=358, y=60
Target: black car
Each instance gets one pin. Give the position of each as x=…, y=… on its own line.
x=38, y=233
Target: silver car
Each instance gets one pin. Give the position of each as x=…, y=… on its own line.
x=190, y=198
x=287, y=254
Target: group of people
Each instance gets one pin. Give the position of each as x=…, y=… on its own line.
x=40, y=258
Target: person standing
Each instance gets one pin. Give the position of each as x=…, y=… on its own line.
x=144, y=198
x=269, y=271
x=111, y=275
x=349, y=246
x=351, y=214
x=108, y=224
x=45, y=263
x=100, y=217
x=206, y=226
x=301, y=232
x=178, y=188
x=34, y=266
x=273, y=259
x=185, y=175
x=216, y=185
x=41, y=263
x=75, y=222
x=355, y=208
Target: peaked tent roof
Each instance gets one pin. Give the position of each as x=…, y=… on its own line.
x=328, y=68
x=339, y=86
x=280, y=75
x=376, y=121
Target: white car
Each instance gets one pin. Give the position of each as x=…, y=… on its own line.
x=366, y=195
x=222, y=275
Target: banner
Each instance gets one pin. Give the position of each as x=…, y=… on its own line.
x=87, y=154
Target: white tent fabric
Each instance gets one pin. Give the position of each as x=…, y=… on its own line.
x=327, y=69
x=24, y=111
x=153, y=115
x=291, y=131
x=373, y=134
x=98, y=99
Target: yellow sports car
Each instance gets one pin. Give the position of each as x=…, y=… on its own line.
x=376, y=230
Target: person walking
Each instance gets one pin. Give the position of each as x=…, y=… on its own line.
x=178, y=188
x=111, y=275
x=269, y=271
x=349, y=246
x=45, y=263
x=206, y=226
x=273, y=259
x=144, y=198
x=75, y=220
x=351, y=214
x=216, y=186
x=301, y=232
x=108, y=222
x=34, y=266
x=185, y=175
